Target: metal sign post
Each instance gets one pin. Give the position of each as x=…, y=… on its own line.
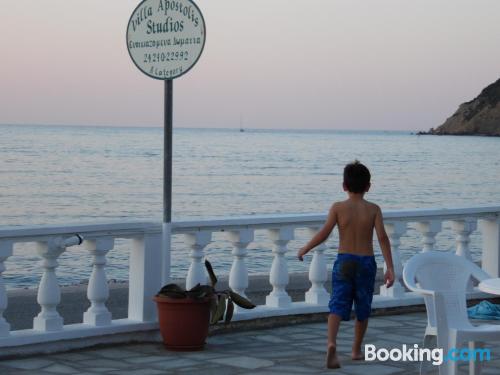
x=165, y=39
x=167, y=154
x=167, y=180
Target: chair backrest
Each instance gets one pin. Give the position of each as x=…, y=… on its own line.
x=447, y=274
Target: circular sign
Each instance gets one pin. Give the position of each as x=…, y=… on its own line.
x=165, y=38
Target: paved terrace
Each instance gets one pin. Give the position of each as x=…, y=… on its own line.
x=294, y=349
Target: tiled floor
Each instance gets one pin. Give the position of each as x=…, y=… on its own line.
x=297, y=349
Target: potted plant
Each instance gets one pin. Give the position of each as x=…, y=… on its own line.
x=184, y=315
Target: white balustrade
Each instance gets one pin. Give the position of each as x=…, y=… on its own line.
x=318, y=274
x=146, y=267
x=49, y=293
x=429, y=230
x=238, y=276
x=463, y=229
x=98, y=290
x=197, y=241
x=490, y=229
x=394, y=231
x=279, y=270
x=145, y=274
x=6, y=249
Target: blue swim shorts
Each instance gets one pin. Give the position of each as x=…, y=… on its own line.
x=353, y=280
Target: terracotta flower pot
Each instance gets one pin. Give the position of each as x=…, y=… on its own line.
x=183, y=322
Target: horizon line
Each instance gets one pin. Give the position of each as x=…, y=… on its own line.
x=209, y=127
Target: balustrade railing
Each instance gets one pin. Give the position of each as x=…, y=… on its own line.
x=146, y=275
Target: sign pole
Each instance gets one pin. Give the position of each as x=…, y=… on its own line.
x=167, y=179
x=165, y=40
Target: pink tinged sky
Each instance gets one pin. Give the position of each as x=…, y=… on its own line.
x=387, y=64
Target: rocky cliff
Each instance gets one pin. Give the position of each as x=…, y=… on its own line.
x=480, y=116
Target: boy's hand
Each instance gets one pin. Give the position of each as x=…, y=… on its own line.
x=389, y=277
x=301, y=253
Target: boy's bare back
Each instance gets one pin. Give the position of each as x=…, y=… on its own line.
x=356, y=220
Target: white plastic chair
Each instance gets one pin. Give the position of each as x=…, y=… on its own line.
x=442, y=279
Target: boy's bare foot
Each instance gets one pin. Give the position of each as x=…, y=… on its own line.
x=357, y=355
x=332, y=360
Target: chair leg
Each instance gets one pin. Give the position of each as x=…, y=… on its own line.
x=452, y=365
x=475, y=363
x=448, y=367
x=428, y=343
x=443, y=368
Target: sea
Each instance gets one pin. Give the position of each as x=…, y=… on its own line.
x=55, y=175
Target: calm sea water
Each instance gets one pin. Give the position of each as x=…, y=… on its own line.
x=59, y=175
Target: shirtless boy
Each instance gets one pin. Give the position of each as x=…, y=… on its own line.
x=354, y=270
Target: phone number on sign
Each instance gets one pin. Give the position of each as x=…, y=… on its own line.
x=165, y=56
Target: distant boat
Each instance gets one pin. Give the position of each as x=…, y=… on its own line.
x=241, y=124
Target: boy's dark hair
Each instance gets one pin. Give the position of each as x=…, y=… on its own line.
x=356, y=177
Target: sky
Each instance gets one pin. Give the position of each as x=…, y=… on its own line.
x=308, y=64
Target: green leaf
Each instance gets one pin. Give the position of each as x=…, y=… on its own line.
x=201, y=291
x=213, y=308
x=172, y=287
x=211, y=273
x=229, y=311
x=241, y=301
x=221, y=309
x=173, y=291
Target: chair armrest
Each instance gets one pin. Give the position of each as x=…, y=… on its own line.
x=479, y=274
x=410, y=283
x=425, y=292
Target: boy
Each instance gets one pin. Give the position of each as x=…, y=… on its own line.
x=354, y=270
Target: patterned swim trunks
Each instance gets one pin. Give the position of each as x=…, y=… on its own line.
x=353, y=280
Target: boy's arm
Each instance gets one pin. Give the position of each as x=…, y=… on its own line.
x=322, y=235
x=385, y=246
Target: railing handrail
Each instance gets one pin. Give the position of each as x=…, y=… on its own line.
x=270, y=220
x=96, y=229
x=130, y=228
x=442, y=213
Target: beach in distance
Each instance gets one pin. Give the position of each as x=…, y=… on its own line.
x=53, y=175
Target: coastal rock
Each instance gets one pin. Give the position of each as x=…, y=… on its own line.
x=480, y=116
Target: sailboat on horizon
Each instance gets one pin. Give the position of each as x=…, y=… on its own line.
x=242, y=130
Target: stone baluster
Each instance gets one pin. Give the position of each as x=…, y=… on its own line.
x=238, y=276
x=490, y=230
x=463, y=229
x=279, y=270
x=394, y=231
x=98, y=290
x=6, y=250
x=429, y=230
x=318, y=274
x=49, y=293
x=197, y=241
